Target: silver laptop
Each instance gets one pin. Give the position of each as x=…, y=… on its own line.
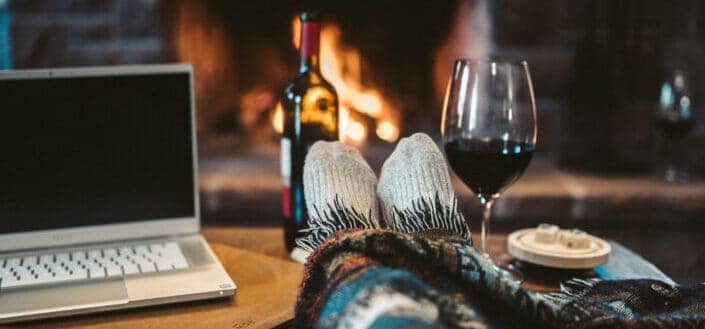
x=99, y=204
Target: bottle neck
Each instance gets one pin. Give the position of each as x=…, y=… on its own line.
x=309, y=64
x=309, y=46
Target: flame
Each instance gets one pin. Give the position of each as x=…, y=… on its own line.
x=343, y=118
x=278, y=118
x=369, y=103
x=296, y=32
x=356, y=132
x=387, y=131
x=341, y=66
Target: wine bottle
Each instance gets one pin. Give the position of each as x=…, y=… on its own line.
x=310, y=114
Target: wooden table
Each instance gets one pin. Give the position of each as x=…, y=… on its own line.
x=623, y=262
x=269, y=241
x=226, y=313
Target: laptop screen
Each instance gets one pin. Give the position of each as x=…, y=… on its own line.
x=95, y=150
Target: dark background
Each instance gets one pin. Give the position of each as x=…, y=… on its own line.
x=596, y=65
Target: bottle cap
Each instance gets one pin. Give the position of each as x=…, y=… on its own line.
x=310, y=16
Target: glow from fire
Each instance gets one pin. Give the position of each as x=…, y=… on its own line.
x=368, y=103
x=341, y=66
x=356, y=131
x=343, y=118
x=278, y=118
x=387, y=131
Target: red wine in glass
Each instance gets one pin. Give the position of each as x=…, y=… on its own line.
x=487, y=166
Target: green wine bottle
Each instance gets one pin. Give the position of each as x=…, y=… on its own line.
x=310, y=114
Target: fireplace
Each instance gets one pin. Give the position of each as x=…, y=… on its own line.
x=390, y=62
x=382, y=70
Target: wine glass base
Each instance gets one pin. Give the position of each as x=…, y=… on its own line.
x=509, y=271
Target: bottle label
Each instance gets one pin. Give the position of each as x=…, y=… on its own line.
x=310, y=34
x=285, y=162
x=286, y=205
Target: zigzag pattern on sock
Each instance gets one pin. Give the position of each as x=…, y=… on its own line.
x=335, y=218
x=428, y=214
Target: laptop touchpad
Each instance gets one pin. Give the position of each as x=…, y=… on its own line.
x=63, y=298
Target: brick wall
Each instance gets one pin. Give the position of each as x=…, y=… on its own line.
x=55, y=33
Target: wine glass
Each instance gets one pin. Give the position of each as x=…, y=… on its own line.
x=489, y=128
x=674, y=120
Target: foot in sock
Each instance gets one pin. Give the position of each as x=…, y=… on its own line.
x=339, y=188
x=415, y=190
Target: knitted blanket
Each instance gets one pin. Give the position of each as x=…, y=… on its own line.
x=385, y=279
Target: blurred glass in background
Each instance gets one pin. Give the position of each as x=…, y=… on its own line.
x=673, y=121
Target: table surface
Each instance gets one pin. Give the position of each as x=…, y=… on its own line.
x=254, y=243
x=270, y=241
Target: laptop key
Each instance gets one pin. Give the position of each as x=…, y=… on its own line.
x=156, y=247
x=95, y=254
x=146, y=267
x=141, y=250
x=110, y=253
x=126, y=251
x=129, y=268
x=163, y=266
x=44, y=259
x=63, y=257
x=96, y=272
x=112, y=270
x=29, y=260
x=78, y=255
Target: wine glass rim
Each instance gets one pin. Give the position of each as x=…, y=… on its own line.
x=498, y=61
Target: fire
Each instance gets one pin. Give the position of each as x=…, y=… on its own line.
x=343, y=118
x=278, y=118
x=356, y=131
x=352, y=131
x=341, y=65
x=387, y=131
x=368, y=103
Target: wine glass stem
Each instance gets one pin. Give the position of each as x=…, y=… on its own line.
x=486, y=214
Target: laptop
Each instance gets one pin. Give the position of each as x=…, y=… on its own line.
x=99, y=206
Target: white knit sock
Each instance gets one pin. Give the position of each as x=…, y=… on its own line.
x=415, y=189
x=339, y=188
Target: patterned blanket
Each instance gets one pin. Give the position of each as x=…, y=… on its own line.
x=386, y=279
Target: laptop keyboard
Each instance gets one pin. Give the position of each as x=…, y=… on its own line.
x=90, y=264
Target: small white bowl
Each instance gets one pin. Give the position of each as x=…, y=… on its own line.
x=522, y=244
